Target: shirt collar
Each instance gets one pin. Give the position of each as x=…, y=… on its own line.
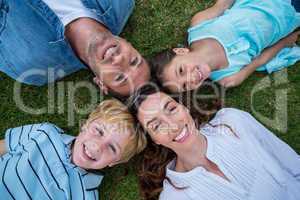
x=91, y=180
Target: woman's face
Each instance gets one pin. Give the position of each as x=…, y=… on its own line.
x=168, y=122
x=99, y=144
x=185, y=72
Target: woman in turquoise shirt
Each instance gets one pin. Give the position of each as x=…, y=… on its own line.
x=227, y=45
x=39, y=161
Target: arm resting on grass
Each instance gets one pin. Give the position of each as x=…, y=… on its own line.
x=263, y=58
x=2, y=148
x=216, y=10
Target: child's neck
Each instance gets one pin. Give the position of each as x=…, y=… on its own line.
x=211, y=52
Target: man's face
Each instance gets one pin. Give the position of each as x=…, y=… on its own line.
x=117, y=65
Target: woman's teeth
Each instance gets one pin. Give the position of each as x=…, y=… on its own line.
x=181, y=135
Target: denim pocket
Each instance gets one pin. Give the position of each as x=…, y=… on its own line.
x=3, y=12
x=104, y=7
x=100, y=7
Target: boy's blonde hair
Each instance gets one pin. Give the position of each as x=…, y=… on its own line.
x=114, y=112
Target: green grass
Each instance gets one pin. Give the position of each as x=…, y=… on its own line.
x=154, y=26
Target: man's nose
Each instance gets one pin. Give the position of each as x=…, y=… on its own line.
x=118, y=60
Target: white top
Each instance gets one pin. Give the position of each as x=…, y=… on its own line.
x=69, y=10
x=258, y=164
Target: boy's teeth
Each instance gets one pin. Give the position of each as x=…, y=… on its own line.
x=88, y=153
x=181, y=135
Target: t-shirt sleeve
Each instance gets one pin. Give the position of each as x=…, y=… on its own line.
x=19, y=135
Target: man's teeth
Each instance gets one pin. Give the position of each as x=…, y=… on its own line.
x=181, y=135
x=110, y=52
x=88, y=153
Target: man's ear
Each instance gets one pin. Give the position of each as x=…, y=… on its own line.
x=113, y=164
x=181, y=51
x=101, y=85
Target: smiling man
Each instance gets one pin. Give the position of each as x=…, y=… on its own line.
x=45, y=40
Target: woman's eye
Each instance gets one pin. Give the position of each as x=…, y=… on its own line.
x=155, y=126
x=100, y=131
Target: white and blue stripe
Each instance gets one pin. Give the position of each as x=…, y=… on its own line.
x=38, y=166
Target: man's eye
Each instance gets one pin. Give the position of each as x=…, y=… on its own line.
x=100, y=131
x=184, y=87
x=180, y=70
x=134, y=61
x=119, y=78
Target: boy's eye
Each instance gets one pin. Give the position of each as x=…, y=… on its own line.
x=100, y=131
x=113, y=149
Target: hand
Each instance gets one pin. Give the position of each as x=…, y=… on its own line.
x=233, y=80
x=291, y=39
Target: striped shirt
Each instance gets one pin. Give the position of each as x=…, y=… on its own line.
x=37, y=165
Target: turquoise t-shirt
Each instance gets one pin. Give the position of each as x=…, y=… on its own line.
x=246, y=29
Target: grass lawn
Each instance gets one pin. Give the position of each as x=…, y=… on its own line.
x=154, y=26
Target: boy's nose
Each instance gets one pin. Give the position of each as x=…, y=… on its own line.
x=93, y=147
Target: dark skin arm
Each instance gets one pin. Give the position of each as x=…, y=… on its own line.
x=216, y=10
x=269, y=53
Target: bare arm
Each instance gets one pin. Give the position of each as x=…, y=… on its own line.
x=2, y=148
x=216, y=10
x=265, y=57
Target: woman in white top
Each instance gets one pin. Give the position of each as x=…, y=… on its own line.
x=233, y=157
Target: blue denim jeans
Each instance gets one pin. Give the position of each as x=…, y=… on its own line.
x=296, y=4
x=33, y=48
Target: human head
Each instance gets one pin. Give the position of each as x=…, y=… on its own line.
x=156, y=157
x=118, y=67
x=179, y=69
x=108, y=137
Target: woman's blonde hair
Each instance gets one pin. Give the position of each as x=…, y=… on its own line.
x=114, y=112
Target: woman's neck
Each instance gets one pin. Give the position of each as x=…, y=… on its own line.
x=194, y=156
x=211, y=52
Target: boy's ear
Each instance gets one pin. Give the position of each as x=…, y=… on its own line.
x=101, y=85
x=181, y=51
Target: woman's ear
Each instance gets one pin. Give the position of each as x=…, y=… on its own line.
x=181, y=51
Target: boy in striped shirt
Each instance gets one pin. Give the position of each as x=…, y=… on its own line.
x=39, y=161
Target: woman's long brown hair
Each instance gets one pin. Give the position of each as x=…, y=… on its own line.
x=155, y=158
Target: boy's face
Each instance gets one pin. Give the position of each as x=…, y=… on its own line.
x=99, y=145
